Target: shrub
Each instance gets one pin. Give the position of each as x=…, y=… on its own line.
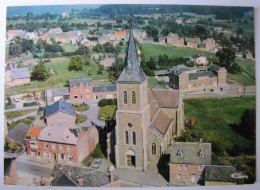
x=105, y=102
x=30, y=104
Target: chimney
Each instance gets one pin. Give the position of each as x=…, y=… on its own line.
x=111, y=177
x=80, y=182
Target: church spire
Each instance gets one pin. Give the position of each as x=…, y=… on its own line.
x=132, y=72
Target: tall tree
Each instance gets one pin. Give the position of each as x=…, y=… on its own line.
x=39, y=72
x=76, y=63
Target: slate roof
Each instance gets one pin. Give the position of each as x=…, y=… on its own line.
x=56, y=92
x=20, y=73
x=59, y=106
x=202, y=45
x=160, y=123
x=197, y=56
x=18, y=133
x=132, y=72
x=190, y=153
x=214, y=67
x=177, y=70
x=103, y=36
x=80, y=82
x=59, y=134
x=195, y=76
x=166, y=98
x=219, y=173
x=107, y=88
x=67, y=174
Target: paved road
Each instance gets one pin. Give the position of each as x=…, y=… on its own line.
x=22, y=117
x=22, y=108
x=92, y=115
x=213, y=95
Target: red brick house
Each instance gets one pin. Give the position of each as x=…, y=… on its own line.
x=81, y=90
x=32, y=141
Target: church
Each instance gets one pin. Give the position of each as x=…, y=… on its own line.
x=146, y=119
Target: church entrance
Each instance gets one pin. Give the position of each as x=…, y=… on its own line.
x=130, y=158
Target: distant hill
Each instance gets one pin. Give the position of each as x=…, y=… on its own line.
x=37, y=10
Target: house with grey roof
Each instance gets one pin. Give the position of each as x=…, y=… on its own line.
x=103, y=38
x=200, y=59
x=201, y=78
x=20, y=76
x=64, y=144
x=18, y=134
x=60, y=113
x=67, y=175
x=56, y=94
x=105, y=92
x=188, y=161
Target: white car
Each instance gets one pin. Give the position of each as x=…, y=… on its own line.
x=96, y=164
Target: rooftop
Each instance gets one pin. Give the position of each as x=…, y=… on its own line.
x=132, y=72
x=166, y=97
x=59, y=106
x=195, y=76
x=34, y=132
x=190, y=153
x=107, y=88
x=18, y=133
x=20, y=73
x=73, y=83
x=214, y=67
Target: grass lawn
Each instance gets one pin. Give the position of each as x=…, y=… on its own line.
x=14, y=114
x=68, y=48
x=27, y=120
x=81, y=118
x=152, y=81
x=107, y=112
x=248, y=66
x=214, y=115
x=60, y=78
x=81, y=108
x=97, y=153
x=240, y=78
x=154, y=50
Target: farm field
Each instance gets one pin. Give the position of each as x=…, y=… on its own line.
x=214, y=116
x=60, y=78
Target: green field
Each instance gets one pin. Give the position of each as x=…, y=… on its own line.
x=60, y=78
x=14, y=114
x=248, y=66
x=214, y=116
x=154, y=50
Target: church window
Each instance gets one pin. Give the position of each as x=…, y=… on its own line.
x=126, y=137
x=125, y=97
x=179, y=176
x=130, y=125
x=134, y=138
x=153, y=149
x=133, y=98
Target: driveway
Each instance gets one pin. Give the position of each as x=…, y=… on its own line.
x=92, y=114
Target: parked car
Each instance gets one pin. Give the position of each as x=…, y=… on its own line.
x=96, y=164
x=16, y=99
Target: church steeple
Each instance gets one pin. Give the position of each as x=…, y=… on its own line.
x=132, y=72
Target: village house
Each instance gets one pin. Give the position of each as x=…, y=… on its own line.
x=192, y=42
x=239, y=54
x=60, y=113
x=64, y=37
x=31, y=139
x=188, y=161
x=60, y=143
x=20, y=76
x=146, y=119
x=207, y=44
x=10, y=172
x=102, y=39
x=67, y=175
x=197, y=78
x=31, y=36
x=174, y=40
x=200, y=59
x=56, y=94
x=11, y=34
x=18, y=134
x=249, y=55
x=104, y=92
x=81, y=90
x=139, y=35
x=179, y=21
x=88, y=43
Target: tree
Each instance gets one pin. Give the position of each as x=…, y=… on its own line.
x=226, y=59
x=247, y=126
x=39, y=72
x=15, y=49
x=76, y=63
x=82, y=50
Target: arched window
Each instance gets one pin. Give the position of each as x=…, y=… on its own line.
x=134, y=138
x=125, y=97
x=126, y=137
x=153, y=149
x=133, y=98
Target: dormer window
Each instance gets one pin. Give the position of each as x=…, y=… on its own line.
x=180, y=153
x=201, y=154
